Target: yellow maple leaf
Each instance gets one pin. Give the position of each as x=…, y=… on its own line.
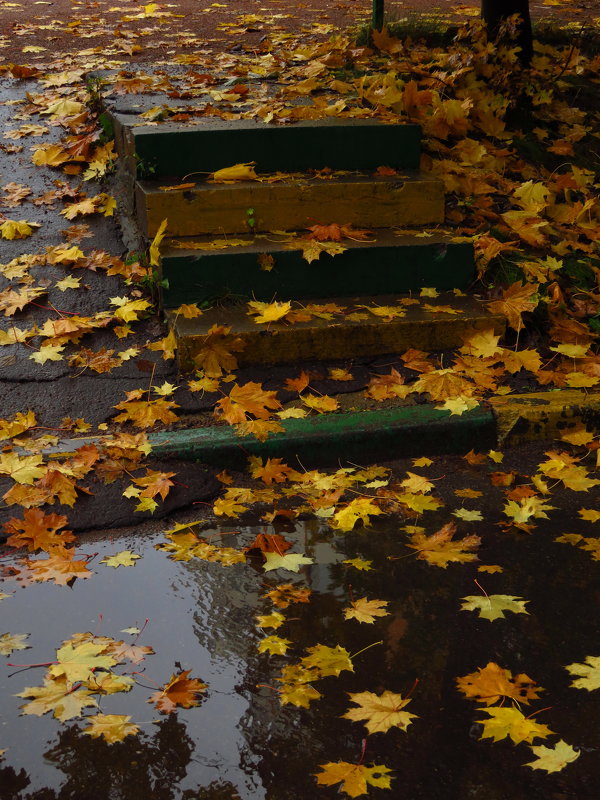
x=516, y=299
x=510, y=722
x=323, y=404
x=491, y=683
x=268, y=312
x=111, y=727
x=440, y=549
x=355, y=778
x=274, y=645
x=154, y=249
x=442, y=384
x=553, y=759
x=216, y=355
x=381, y=712
x=238, y=172
x=364, y=610
x=361, y=508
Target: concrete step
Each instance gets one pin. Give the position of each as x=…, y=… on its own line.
x=391, y=264
x=362, y=200
x=207, y=144
x=427, y=324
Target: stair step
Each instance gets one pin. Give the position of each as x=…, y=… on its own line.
x=364, y=201
x=361, y=437
x=391, y=264
x=207, y=144
x=342, y=336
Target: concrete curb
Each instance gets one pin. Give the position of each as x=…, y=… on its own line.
x=363, y=437
x=360, y=437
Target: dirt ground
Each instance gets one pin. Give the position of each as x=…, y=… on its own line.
x=157, y=31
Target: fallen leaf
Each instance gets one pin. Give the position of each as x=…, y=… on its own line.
x=381, y=712
x=493, y=606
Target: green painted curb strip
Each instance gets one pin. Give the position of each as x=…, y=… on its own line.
x=360, y=437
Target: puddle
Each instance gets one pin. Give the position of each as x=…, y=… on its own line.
x=240, y=743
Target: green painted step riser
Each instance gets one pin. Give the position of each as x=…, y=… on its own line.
x=359, y=438
x=229, y=209
x=286, y=148
x=376, y=270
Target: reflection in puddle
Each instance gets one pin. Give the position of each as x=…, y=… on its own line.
x=241, y=743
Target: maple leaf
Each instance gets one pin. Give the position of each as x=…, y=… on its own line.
x=291, y=561
x=442, y=384
x=128, y=310
x=57, y=696
x=385, y=387
x=178, y=691
x=189, y=311
x=22, y=469
x=588, y=672
x=285, y=594
x=364, y=610
x=155, y=482
x=273, y=620
x=250, y=398
x=17, y=424
x=268, y=312
x=328, y=660
x=381, y=712
x=81, y=208
x=527, y=508
x=238, y=172
x=515, y=300
x=312, y=250
x=272, y=470
x=269, y=543
x=553, y=759
x=145, y=413
x=129, y=652
x=360, y=508
x=11, y=301
x=504, y=722
x=9, y=642
x=111, y=727
x=274, y=645
x=439, y=549
x=322, y=405
x=491, y=683
x=355, y=778
x=123, y=559
x=38, y=531
x=59, y=567
x=216, y=354
x=77, y=662
x=494, y=605
x=359, y=563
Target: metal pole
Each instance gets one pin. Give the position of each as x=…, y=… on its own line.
x=377, y=19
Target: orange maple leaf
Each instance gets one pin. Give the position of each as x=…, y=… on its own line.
x=38, y=531
x=250, y=398
x=59, y=567
x=515, y=300
x=216, y=355
x=179, y=691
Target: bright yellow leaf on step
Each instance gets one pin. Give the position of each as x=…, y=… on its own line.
x=153, y=250
x=416, y=483
x=268, y=312
x=322, y=404
x=239, y=172
x=458, y=405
